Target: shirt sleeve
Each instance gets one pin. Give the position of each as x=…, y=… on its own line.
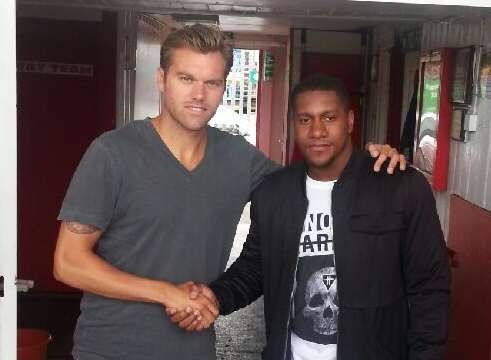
x=427, y=274
x=260, y=167
x=92, y=194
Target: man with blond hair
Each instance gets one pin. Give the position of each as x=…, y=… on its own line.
x=153, y=205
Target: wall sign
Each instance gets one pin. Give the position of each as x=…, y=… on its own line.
x=434, y=117
x=268, y=66
x=53, y=68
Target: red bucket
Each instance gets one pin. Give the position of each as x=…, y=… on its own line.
x=32, y=344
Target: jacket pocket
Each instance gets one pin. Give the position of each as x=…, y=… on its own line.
x=372, y=249
x=377, y=223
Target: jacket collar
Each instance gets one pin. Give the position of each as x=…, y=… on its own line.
x=349, y=172
x=353, y=166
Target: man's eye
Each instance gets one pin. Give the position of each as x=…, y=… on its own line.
x=329, y=117
x=214, y=84
x=303, y=120
x=185, y=79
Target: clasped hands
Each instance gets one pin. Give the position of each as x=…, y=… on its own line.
x=194, y=307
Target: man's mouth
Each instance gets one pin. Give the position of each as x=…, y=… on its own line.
x=318, y=147
x=196, y=108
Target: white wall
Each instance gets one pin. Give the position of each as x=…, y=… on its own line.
x=8, y=182
x=470, y=163
x=150, y=35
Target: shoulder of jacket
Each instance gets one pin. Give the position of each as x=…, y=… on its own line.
x=280, y=179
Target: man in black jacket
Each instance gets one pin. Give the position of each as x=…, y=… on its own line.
x=352, y=263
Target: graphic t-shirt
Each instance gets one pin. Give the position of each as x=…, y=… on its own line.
x=315, y=322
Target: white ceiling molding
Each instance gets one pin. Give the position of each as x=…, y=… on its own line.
x=472, y=3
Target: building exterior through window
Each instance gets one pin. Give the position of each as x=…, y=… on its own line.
x=237, y=113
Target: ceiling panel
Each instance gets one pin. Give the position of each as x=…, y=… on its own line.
x=329, y=14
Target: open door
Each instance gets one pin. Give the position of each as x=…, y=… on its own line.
x=272, y=93
x=8, y=187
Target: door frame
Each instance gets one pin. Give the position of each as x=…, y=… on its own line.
x=8, y=185
x=271, y=125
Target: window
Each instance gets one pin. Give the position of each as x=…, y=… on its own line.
x=237, y=89
x=244, y=105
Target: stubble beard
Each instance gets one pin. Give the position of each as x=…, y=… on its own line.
x=187, y=124
x=330, y=166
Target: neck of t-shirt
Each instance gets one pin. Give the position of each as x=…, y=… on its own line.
x=320, y=183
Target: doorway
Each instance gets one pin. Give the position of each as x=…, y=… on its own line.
x=238, y=112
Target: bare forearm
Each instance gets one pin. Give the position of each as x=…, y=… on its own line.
x=76, y=264
x=92, y=274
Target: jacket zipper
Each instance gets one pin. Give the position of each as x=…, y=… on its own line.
x=337, y=274
x=290, y=309
x=294, y=288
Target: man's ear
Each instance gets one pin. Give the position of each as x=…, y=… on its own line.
x=351, y=121
x=160, y=79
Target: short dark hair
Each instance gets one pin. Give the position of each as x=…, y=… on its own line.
x=321, y=82
x=200, y=37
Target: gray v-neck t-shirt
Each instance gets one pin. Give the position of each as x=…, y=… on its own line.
x=159, y=221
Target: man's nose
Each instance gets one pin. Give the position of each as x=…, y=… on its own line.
x=198, y=91
x=318, y=128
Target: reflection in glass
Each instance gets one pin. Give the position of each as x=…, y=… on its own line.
x=485, y=75
x=428, y=124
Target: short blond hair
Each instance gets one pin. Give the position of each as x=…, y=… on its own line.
x=199, y=37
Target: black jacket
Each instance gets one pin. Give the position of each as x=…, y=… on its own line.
x=391, y=264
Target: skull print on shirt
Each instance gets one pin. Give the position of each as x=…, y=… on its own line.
x=315, y=304
x=321, y=300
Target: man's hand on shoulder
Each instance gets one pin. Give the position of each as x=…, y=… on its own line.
x=189, y=319
x=384, y=152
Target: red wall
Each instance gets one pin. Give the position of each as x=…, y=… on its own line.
x=271, y=122
x=349, y=69
x=470, y=323
x=440, y=168
x=58, y=116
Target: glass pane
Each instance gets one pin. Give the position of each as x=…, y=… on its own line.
x=430, y=99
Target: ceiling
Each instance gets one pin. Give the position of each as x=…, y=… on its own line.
x=253, y=15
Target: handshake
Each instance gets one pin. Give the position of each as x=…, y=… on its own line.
x=193, y=307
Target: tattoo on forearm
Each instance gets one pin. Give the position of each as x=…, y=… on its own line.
x=78, y=228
